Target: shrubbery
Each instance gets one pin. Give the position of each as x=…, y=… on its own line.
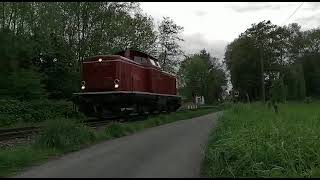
x=25, y=84
x=65, y=134
x=115, y=130
x=13, y=111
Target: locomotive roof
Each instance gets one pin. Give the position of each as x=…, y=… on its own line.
x=138, y=52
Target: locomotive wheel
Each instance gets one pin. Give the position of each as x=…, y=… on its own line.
x=170, y=108
x=141, y=110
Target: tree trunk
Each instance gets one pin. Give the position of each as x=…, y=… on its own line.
x=3, y=15
x=263, y=96
x=11, y=14
x=78, y=29
x=248, y=99
x=15, y=18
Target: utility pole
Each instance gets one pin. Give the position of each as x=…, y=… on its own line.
x=263, y=92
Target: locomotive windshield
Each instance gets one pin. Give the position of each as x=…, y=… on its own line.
x=139, y=59
x=155, y=63
x=152, y=62
x=158, y=64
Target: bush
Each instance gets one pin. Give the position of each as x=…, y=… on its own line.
x=278, y=92
x=25, y=85
x=115, y=130
x=308, y=100
x=225, y=105
x=65, y=134
x=13, y=111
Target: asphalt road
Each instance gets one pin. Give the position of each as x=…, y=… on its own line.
x=170, y=150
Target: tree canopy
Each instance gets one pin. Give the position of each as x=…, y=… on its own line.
x=45, y=42
x=288, y=55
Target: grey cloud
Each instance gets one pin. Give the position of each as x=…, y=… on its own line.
x=195, y=42
x=200, y=13
x=309, y=20
x=312, y=6
x=253, y=6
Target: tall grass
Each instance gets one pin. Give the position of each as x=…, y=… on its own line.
x=253, y=141
x=65, y=134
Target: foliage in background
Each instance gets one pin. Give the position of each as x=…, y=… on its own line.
x=286, y=51
x=47, y=41
x=169, y=48
x=278, y=91
x=15, y=112
x=202, y=75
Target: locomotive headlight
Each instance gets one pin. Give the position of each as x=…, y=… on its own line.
x=83, y=83
x=100, y=60
x=116, y=83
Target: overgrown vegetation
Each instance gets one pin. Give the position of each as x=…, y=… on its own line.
x=254, y=141
x=14, y=112
x=65, y=135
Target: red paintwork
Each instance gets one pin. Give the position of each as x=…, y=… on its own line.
x=133, y=76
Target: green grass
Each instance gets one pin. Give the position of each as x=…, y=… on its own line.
x=66, y=135
x=253, y=141
x=12, y=160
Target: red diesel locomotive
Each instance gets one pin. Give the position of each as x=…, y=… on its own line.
x=129, y=81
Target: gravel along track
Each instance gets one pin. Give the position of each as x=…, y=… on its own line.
x=171, y=150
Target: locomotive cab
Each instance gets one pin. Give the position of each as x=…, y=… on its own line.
x=99, y=74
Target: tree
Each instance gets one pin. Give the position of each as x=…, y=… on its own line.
x=200, y=75
x=169, y=48
x=244, y=66
x=53, y=38
x=283, y=51
x=278, y=91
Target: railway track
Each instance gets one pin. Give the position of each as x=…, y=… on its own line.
x=12, y=133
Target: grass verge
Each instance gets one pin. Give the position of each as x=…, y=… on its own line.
x=65, y=135
x=253, y=141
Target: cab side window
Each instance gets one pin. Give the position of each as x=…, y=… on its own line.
x=152, y=62
x=143, y=60
x=137, y=59
x=158, y=64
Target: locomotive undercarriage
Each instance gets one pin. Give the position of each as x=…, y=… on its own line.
x=103, y=105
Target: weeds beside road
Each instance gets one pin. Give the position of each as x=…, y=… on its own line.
x=253, y=141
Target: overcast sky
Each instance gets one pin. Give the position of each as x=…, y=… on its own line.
x=212, y=25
